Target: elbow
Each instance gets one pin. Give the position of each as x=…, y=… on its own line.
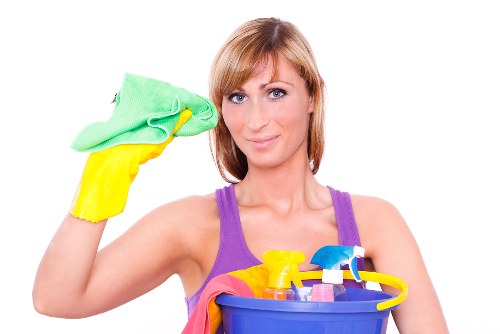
x=40, y=308
x=49, y=310
x=52, y=306
x=44, y=306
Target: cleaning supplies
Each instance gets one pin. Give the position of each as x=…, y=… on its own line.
x=331, y=258
x=364, y=311
x=283, y=267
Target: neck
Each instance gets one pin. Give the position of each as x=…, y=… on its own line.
x=286, y=187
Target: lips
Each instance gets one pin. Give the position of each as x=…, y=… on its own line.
x=263, y=142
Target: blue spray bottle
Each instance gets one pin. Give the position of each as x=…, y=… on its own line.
x=331, y=258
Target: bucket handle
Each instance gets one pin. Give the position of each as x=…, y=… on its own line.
x=385, y=279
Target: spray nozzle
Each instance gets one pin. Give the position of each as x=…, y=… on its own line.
x=283, y=267
x=330, y=258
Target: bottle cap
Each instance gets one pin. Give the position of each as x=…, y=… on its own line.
x=333, y=276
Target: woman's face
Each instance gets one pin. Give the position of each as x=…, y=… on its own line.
x=268, y=119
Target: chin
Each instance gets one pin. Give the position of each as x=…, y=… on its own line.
x=264, y=162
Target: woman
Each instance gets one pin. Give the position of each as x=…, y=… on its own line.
x=268, y=144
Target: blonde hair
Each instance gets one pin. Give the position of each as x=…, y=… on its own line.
x=250, y=45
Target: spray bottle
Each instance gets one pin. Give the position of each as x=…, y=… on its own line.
x=283, y=267
x=330, y=258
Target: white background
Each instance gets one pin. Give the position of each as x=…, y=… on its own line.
x=413, y=89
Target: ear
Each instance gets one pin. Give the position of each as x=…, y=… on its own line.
x=311, y=105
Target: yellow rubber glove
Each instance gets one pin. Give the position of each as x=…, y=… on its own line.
x=108, y=174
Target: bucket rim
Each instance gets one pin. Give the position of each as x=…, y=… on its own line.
x=259, y=304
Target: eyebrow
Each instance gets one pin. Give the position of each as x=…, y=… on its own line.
x=262, y=86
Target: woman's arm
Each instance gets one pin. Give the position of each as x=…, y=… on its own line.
x=75, y=280
x=393, y=250
x=66, y=267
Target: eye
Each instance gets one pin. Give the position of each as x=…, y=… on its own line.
x=276, y=93
x=237, y=98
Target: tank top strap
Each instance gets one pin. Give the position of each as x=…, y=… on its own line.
x=233, y=253
x=233, y=246
x=346, y=224
x=348, y=231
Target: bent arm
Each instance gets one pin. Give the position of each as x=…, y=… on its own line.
x=75, y=280
x=65, y=269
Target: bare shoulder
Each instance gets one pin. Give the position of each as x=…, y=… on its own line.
x=180, y=226
x=192, y=212
x=192, y=205
x=379, y=222
x=374, y=210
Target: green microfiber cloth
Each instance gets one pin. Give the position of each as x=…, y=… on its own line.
x=146, y=112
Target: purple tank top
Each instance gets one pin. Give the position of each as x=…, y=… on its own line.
x=233, y=251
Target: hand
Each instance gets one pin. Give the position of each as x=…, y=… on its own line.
x=108, y=174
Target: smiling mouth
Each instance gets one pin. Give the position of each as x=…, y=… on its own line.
x=262, y=142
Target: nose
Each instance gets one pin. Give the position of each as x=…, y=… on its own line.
x=257, y=117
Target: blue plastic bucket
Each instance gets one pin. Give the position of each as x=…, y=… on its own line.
x=358, y=314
